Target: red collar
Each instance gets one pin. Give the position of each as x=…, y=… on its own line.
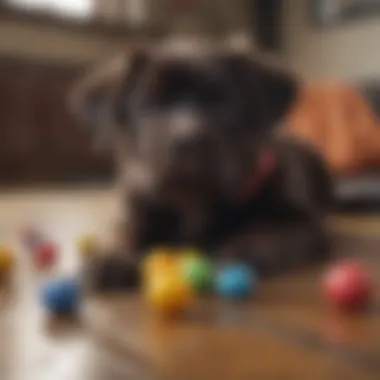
x=261, y=171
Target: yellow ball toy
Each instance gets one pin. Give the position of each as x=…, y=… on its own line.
x=87, y=245
x=159, y=261
x=168, y=293
x=6, y=262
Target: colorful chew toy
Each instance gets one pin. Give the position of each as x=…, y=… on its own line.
x=45, y=255
x=348, y=285
x=166, y=289
x=61, y=296
x=87, y=245
x=235, y=282
x=198, y=272
x=6, y=263
x=159, y=260
x=168, y=294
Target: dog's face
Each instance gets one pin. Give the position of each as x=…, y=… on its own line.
x=191, y=117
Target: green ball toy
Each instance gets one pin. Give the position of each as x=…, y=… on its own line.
x=198, y=272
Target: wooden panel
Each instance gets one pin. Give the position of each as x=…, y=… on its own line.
x=216, y=340
x=267, y=27
x=39, y=141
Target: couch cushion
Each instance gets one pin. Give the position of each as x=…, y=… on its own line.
x=338, y=121
x=363, y=187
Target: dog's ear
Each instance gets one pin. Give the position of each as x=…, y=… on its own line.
x=98, y=99
x=267, y=90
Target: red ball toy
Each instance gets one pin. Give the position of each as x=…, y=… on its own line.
x=348, y=285
x=45, y=255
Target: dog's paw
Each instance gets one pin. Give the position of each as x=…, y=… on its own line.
x=290, y=251
x=112, y=273
x=272, y=251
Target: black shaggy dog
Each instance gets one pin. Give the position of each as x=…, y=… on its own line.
x=196, y=128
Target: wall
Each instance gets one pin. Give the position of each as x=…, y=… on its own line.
x=50, y=42
x=349, y=51
x=53, y=43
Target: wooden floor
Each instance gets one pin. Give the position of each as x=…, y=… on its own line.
x=286, y=332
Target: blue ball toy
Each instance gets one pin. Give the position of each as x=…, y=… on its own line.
x=61, y=296
x=236, y=281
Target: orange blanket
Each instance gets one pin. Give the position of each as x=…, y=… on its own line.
x=340, y=124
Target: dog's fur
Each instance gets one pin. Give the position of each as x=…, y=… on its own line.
x=190, y=122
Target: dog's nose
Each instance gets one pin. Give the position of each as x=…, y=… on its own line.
x=186, y=132
x=189, y=147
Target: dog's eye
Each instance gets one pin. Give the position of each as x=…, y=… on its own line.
x=163, y=96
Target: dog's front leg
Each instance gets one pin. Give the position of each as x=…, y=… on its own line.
x=275, y=248
x=147, y=224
